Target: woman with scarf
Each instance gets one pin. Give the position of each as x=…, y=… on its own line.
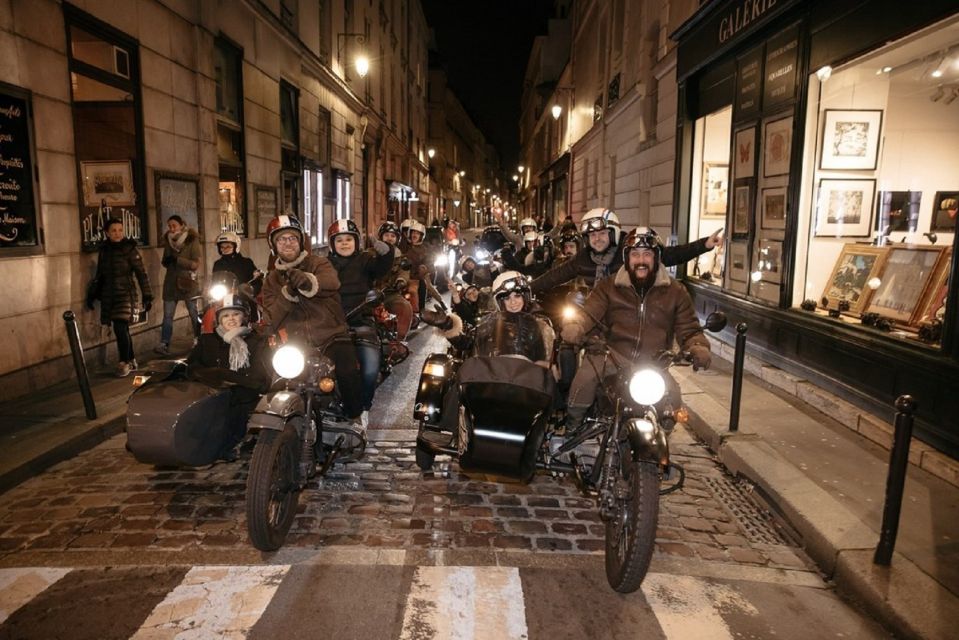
x=181, y=257
x=233, y=355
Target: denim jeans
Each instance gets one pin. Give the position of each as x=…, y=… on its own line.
x=369, y=357
x=169, y=309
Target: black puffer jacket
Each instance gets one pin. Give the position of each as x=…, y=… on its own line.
x=357, y=274
x=118, y=264
x=240, y=266
x=210, y=361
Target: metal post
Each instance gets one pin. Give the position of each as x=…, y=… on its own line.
x=738, y=361
x=73, y=333
x=898, y=463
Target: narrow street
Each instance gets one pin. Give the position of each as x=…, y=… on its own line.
x=101, y=546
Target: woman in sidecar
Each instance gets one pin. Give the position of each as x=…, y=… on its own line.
x=194, y=413
x=499, y=374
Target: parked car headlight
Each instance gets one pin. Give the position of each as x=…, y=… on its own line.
x=288, y=362
x=647, y=386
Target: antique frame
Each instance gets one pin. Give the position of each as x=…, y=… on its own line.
x=777, y=146
x=856, y=265
x=897, y=210
x=744, y=153
x=906, y=275
x=840, y=200
x=774, y=208
x=742, y=209
x=111, y=181
x=944, y=219
x=934, y=298
x=178, y=194
x=769, y=259
x=850, y=139
x=715, y=190
x=737, y=263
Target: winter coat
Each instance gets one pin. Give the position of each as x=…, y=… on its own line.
x=240, y=266
x=418, y=255
x=582, y=265
x=181, y=281
x=314, y=316
x=118, y=264
x=358, y=274
x=210, y=359
x=640, y=325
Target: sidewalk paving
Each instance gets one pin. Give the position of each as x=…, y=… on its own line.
x=827, y=481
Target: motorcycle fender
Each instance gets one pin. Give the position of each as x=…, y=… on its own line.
x=428, y=405
x=273, y=410
x=647, y=441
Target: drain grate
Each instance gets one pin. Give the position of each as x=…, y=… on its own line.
x=756, y=522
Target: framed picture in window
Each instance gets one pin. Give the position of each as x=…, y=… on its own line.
x=777, y=146
x=178, y=194
x=933, y=305
x=738, y=262
x=715, y=188
x=944, y=210
x=742, y=209
x=266, y=207
x=844, y=208
x=850, y=138
x=111, y=182
x=769, y=260
x=773, y=208
x=850, y=278
x=906, y=276
x=744, y=153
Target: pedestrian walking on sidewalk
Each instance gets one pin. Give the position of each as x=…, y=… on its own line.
x=181, y=257
x=118, y=264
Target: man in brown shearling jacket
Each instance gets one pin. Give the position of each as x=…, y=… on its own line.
x=643, y=310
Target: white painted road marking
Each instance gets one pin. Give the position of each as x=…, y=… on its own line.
x=465, y=603
x=20, y=586
x=688, y=607
x=220, y=602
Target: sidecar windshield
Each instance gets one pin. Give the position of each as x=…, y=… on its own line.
x=514, y=334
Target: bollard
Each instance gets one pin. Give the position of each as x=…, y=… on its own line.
x=738, y=362
x=898, y=463
x=73, y=333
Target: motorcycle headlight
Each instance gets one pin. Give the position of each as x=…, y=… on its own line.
x=441, y=260
x=569, y=312
x=647, y=387
x=434, y=369
x=481, y=256
x=218, y=290
x=288, y=362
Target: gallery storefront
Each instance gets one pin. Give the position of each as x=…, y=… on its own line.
x=822, y=136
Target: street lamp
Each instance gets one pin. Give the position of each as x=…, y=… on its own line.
x=362, y=62
x=456, y=203
x=462, y=174
x=431, y=152
x=557, y=111
x=520, y=169
x=515, y=178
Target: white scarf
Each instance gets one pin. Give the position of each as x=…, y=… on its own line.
x=177, y=241
x=239, y=350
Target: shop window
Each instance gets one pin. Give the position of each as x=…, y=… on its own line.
x=290, y=147
x=709, y=198
x=227, y=69
x=315, y=220
x=878, y=212
x=107, y=127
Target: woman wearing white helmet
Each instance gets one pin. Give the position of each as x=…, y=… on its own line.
x=228, y=246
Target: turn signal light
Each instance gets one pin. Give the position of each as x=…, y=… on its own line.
x=326, y=385
x=681, y=415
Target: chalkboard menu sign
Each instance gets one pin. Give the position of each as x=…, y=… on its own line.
x=749, y=82
x=782, y=53
x=18, y=211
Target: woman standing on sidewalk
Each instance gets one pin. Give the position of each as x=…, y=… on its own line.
x=117, y=265
x=181, y=257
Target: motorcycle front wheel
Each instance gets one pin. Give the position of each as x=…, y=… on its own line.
x=271, y=488
x=631, y=533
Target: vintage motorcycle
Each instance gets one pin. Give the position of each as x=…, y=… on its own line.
x=495, y=414
x=301, y=431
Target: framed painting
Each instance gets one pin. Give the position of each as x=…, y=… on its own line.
x=906, y=276
x=110, y=182
x=773, y=208
x=850, y=139
x=769, y=260
x=944, y=210
x=855, y=267
x=742, y=211
x=844, y=208
x=933, y=306
x=178, y=194
x=777, y=146
x=738, y=262
x=266, y=207
x=897, y=211
x=744, y=153
x=715, y=188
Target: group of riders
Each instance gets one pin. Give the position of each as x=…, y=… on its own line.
x=633, y=303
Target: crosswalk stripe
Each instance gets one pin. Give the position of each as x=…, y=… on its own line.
x=20, y=586
x=688, y=607
x=214, y=601
x=465, y=603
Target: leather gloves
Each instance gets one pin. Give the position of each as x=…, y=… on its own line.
x=436, y=318
x=298, y=280
x=573, y=333
x=700, y=356
x=147, y=303
x=380, y=247
x=168, y=260
x=90, y=304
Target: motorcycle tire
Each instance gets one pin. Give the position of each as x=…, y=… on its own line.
x=630, y=536
x=424, y=459
x=272, y=491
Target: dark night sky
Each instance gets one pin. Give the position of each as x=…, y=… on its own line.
x=485, y=46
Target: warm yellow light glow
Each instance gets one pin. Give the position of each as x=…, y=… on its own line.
x=431, y=152
x=557, y=111
x=362, y=65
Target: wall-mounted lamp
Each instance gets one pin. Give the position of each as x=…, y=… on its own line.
x=557, y=111
x=520, y=169
x=431, y=152
x=823, y=73
x=462, y=174
x=362, y=62
x=456, y=203
x=515, y=178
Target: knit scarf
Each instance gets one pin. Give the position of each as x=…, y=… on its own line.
x=602, y=262
x=177, y=241
x=239, y=350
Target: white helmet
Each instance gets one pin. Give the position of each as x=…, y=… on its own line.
x=508, y=282
x=405, y=225
x=228, y=236
x=598, y=219
x=527, y=222
x=415, y=225
x=531, y=236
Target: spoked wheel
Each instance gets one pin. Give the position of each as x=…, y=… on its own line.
x=631, y=532
x=271, y=488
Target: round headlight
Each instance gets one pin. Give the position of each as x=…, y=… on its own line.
x=288, y=362
x=218, y=290
x=441, y=261
x=647, y=387
x=569, y=312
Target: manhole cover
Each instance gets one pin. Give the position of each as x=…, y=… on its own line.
x=756, y=523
